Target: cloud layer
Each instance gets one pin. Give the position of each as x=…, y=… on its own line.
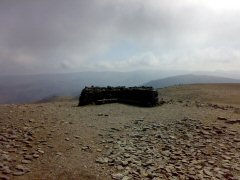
x=63, y=36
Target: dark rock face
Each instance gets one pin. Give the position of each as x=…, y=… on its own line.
x=140, y=96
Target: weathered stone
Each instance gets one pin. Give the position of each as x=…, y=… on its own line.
x=236, y=139
x=84, y=148
x=183, y=148
x=117, y=176
x=127, y=178
x=59, y=153
x=22, y=168
x=25, y=161
x=6, y=170
x=102, y=160
x=35, y=155
x=207, y=172
x=28, y=157
x=18, y=173
x=221, y=118
x=232, y=121
x=4, y=177
x=143, y=96
x=40, y=151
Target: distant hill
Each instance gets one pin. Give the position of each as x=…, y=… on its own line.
x=189, y=79
x=35, y=88
x=32, y=88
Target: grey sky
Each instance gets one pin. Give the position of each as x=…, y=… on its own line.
x=78, y=35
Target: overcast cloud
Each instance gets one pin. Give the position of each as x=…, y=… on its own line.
x=79, y=35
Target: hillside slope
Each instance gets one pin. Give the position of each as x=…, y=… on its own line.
x=189, y=79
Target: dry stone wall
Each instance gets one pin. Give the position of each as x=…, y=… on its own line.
x=140, y=96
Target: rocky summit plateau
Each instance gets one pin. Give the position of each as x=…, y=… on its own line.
x=193, y=135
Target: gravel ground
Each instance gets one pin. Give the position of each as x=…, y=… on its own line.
x=194, y=135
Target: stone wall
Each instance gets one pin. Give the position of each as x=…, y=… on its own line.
x=140, y=96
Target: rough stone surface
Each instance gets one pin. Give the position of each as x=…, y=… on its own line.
x=141, y=96
x=185, y=149
x=16, y=147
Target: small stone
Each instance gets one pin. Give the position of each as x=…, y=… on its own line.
x=19, y=173
x=124, y=163
x=236, y=139
x=115, y=129
x=236, y=177
x=12, y=150
x=102, y=160
x=143, y=173
x=221, y=118
x=205, y=132
x=149, y=162
x=59, y=153
x=31, y=120
x=22, y=168
x=67, y=139
x=35, y=155
x=41, y=151
x=6, y=157
x=233, y=121
x=198, y=167
x=28, y=157
x=4, y=177
x=226, y=157
x=84, y=148
x=6, y=170
x=120, y=168
x=77, y=137
x=207, y=172
x=126, y=178
x=117, y=176
x=25, y=161
x=211, y=162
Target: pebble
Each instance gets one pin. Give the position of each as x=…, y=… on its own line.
x=17, y=150
x=102, y=160
x=127, y=178
x=18, y=173
x=36, y=155
x=22, y=168
x=182, y=150
x=117, y=176
x=84, y=148
x=40, y=151
x=4, y=177
x=59, y=153
x=6, y=170
x=28, y=157
x=24, y=161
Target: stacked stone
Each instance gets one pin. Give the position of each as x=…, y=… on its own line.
x=141, y=96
